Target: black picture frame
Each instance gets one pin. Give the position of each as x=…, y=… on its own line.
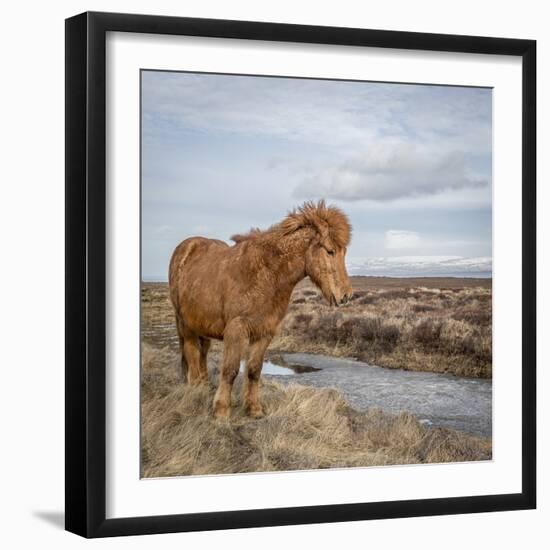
x=86, y=275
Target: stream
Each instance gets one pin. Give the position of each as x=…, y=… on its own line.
x=435, y=399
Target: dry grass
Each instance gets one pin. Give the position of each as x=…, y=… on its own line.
x=305, y=428
x=430, y=324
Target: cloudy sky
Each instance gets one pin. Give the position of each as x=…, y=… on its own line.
x=409, y=164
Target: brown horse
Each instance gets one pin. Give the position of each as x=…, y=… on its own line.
x=240, y=293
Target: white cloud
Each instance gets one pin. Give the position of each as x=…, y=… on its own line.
x=394, y=239
x=291, y=109
x=339, y=114
x=388, y=172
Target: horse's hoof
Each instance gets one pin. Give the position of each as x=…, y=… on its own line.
x=221, y=412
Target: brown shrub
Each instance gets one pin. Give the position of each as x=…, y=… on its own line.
x=366, y=299
x=310, y=293
x=473, y=316
x=326, y=328
x=366, y=328
x=427, y=332
x=422, y=308
x=365, y=331
x=303, y=318
x=394, y=295
x=389, y=335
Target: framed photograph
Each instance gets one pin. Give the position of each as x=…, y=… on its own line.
x=300, y=274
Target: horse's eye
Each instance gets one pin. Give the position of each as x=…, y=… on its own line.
x=330, y=252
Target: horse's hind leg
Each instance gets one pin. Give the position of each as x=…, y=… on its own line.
x=192, y=353
x=234, y=340
x=253, y=371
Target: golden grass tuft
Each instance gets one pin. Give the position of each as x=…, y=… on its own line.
x=304, y=428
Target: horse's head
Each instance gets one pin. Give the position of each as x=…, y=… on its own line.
x=326, y=267
x=325, y=258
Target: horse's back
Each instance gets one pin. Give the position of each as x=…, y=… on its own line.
x=188, y=252
x=193, y=276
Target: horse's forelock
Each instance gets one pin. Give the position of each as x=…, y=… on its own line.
x=326, y=219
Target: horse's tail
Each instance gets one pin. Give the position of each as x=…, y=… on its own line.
x=184, y=366
x=173, y=277
x=181, y=255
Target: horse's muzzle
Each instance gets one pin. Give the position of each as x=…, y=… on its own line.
x=343, y=300
x=346, y=298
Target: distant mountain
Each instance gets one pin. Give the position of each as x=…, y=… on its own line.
x=407, y=266
x=421, y=266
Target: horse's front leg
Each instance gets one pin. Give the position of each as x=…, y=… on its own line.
x=253, y=371
x=235, y=337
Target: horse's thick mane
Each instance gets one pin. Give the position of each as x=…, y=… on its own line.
x=329, y=221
